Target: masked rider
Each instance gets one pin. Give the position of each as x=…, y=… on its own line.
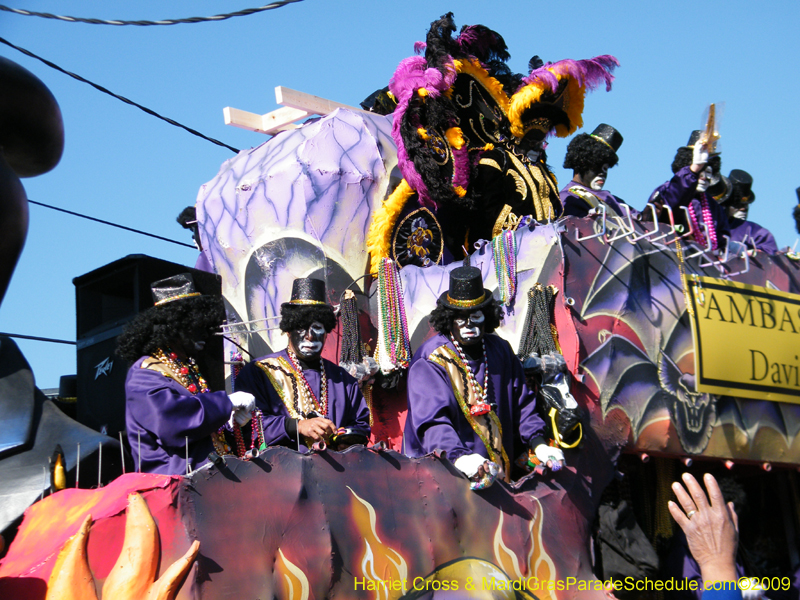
x=301, y=395
x=467, y=393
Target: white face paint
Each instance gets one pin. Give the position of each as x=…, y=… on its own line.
x=740, y=213
x=704, y=179
x=469, y=329
x=599, y=180
x=310, y=341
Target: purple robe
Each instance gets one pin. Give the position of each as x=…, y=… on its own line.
x=163, y=413
x=346, y=404
x=681, y=190
x=757, y=236
x=578, y=207
x=435, y=419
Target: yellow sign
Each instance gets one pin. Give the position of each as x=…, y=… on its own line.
x=746, y=340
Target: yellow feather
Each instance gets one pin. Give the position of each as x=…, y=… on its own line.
x=383, y=219
x=473, y=68
x=422, y=133
x=455, y=138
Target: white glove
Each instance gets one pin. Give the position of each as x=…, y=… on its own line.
x=699, y=154
x=469, y=463
x=243, y=400
x=547, y=453
x=243, y=404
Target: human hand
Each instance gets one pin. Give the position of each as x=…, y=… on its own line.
x=550, y=456
x=240, y=417
x=711, y=528
x=480, y=471
x=699, y=157
x=317, y=429
x=243, y=400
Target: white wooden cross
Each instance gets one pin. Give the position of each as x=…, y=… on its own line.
x=296, y=106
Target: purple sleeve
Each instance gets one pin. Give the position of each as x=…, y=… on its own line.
x=679, y=190
x=358, y=413
x=432, y=410
x=171, y=412
x=252, y=379
x=531, y=424
x=765, y=241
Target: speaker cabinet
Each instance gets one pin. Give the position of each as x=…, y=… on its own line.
x=106, y=300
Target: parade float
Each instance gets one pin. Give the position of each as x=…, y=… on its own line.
x=382, y=204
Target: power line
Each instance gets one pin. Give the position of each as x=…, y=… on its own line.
x=38, y=339
x=118, y=97
x=239, y=13
x=152, y=235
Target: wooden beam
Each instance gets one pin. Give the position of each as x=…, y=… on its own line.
x=307, y=102
x=270, y=123
x=242, y=119
x=282, y=119
x=295, y=106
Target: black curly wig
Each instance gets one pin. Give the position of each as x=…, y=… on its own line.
x=683, y=158
x=161, y=326
x=584, y=154
x=301, y=316
x=441, y=318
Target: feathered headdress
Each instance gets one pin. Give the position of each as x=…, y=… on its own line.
x=551, y=97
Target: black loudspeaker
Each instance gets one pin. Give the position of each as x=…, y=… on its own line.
x=106, y=300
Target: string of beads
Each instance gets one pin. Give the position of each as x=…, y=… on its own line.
x=482, y=407
x=311, y=401
x=505, y=265
x=708, y=223
x=537, y=336
x=393, y=348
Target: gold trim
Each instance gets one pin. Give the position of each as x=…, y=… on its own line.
x=305, y=302
x=489, y=426
x=599, y=139
x=466, y=303
x=178, y=297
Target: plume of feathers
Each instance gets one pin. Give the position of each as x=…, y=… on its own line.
x=589, y=73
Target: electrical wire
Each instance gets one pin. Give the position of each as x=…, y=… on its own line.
x=100, y=88
x=69, y=212
x=239, y=13
x=38, y=339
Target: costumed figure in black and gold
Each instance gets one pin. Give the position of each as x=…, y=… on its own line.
x=467, y=391
x=590, y=156
x=170, y=412
x=470, y=136
x=303, y=396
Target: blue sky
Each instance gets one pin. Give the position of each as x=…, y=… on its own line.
x=122, y=165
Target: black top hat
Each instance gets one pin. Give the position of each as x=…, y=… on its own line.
x=694, y=137
x=744, y=183
x=721, y=191
x=173, y=288
x=466, y=290
x=307, y=292
x=608, y=135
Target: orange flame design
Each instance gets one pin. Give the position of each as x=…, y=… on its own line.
x=379, y=562
x=539, y=562
x=503, y=556
x=294, y=582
